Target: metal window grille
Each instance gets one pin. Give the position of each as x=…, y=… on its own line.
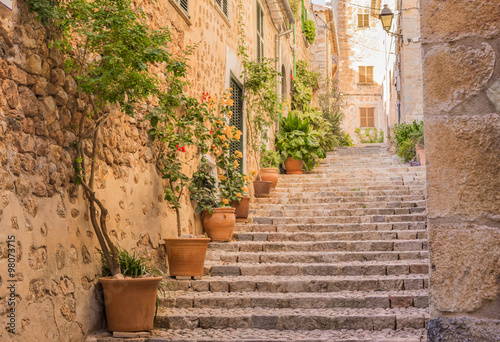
x=365, y=74
x=223, y=6
x=184, y=4
x=260, y=32
x=367, y=117
x=363, y=20
x=237, y=118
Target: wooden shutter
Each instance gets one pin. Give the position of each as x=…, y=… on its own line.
x=365, y=74
x=223, y=6
x=184, y=4
x=237, y=118
x=363, y=20
x=260, y=32
x=367, y=117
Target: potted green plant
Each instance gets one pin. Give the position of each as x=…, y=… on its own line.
x=109, y=50
x=297, y=146
x=131, y=299
x=269, y=163
x=310, y=31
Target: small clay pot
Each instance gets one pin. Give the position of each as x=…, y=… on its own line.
x=262, y=188
x=130, y=303
x=293, y=167
x=242, y=208
x=269, y=174
x=220, y=224
x=186, y=257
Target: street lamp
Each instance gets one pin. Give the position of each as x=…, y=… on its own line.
x=386, y=17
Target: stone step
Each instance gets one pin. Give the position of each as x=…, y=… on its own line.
x=313, y=187
x=272, y=335
x=320, y=246
x=351, y=177
x=285, y=212
x=314, y=257
x=349, y=183
x=381, y=299
x=418, y=217
x=335, y=236
x=339, y=199
x=389, y=169
x=339, y=205
x=313, y=193
x=380, y=268
x=290, y=319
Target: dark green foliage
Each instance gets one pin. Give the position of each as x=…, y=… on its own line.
x=406, y=136
x=269, y=158
x=295, y=139
x=310, y=30
x=203, y=188
x=304, y=83
x=131, y=265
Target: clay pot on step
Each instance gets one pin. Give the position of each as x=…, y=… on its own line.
x=293, y=167
x=130, y=303
x=242, y=208
x=262, y=188
x=269, y=174
x=220, y=224
x=186, y=257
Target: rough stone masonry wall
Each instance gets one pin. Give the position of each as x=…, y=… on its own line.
x=461, y=66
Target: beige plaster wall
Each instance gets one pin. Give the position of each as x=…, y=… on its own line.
x=57, y=259
x=461, y=74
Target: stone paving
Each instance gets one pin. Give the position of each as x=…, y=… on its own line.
x=338, y=254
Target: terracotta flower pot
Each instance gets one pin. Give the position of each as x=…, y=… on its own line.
x=186, y=257
x=269, y=174
x=293, y=167
x=220, y=224
x=130, y=303
x=420, y=151
x=242, y=208
x=262, y=188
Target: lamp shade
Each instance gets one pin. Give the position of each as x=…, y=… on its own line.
x=386, y=17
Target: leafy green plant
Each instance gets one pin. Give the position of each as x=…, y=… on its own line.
x=203, y=188
x=270, y=158
x=294, y=140
x=304, y=83
x=321, y=128
x=406, y=136
x=109, y=50
x=310, y=30
x=370, y=136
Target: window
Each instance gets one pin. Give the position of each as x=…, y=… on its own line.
x=363, y=20
x=184, y=4
x=237, y=117
x=367, y=117
x=223, y=6
x=365, y=74
x=260, y=32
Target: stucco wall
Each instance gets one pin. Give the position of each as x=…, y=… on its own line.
x=461, y=70
x=57, y=259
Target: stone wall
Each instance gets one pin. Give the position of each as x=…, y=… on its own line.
x=57, y=258
x=461, y=70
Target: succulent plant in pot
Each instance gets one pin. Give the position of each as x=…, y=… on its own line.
x=297, y=145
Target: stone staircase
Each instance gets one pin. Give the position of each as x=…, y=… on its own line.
x=338, y=254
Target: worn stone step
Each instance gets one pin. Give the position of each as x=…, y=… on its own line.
x=339, y=205
x=283, y=284
x=320, y=246
x=337, y=212
x=313, y=257
x=335, y=236
x=328, y=227
x=290, y=319
x=349, y=193
x=271, y=335
x=340, y=219
x=349, y=184
x=381, y=268
x=339, y=199
x=380, y=299
x=341, y=189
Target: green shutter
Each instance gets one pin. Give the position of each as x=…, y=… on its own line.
x=237, y=117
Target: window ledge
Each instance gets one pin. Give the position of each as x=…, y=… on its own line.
x=366, y=84
x=224, y=17
x=183, y=14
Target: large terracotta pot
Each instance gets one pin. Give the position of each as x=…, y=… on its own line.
x=293, y=167
x=269, y=174
x=220, y=224
x=242, y=208
x=130, y=303
x=420, y=151
x=186, y=257
x=262, y=188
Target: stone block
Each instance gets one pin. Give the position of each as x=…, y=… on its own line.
x=410, y=321
x=219, y=286
x=242, y=286
x=401, y=301
x=463, y=329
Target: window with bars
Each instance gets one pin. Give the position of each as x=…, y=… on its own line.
x=365, y=74
x=184, y=4
x=363, y=20
x=223, y=6
x=367, y=117
x=237, y=117
x=260, y=32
